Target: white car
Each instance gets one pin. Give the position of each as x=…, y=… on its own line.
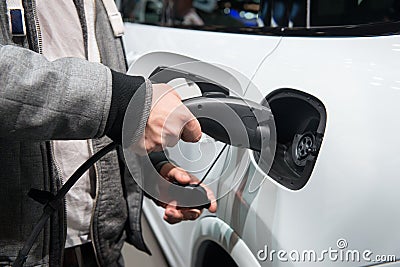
x=330, y=71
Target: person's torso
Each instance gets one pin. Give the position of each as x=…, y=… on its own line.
x=62, y=36
x=29, y=164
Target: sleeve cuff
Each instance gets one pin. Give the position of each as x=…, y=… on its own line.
x=158, y=159
x=124, y=88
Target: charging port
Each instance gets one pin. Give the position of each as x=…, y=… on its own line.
x=300, y=121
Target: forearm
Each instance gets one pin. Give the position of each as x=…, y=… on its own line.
x=65, y=99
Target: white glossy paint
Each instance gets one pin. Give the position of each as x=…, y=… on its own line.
x=225, y=49
x=240, y=52
x=353, y=190
x=352, y=193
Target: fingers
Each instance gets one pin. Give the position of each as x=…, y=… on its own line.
x=179, y=172
x=174, y=214
x=169, y=120
x=191, y=132
x=181, y=124
x=211, y=197
x=173, y=173
x=179, y=175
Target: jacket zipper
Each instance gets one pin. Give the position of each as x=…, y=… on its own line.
x=59, y=176
x=37, y=26
x=61, y=183
x=58, y=170
x=96, y=174
x=96, y=171
x=61, y=180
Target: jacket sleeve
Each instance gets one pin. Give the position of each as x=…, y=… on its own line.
x=67, y=98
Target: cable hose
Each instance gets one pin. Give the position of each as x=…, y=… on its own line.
x=212, y=166
x=55, y=202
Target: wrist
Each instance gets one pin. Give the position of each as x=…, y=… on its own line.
x=158, y=159
x=159, y=166
x=123, y=89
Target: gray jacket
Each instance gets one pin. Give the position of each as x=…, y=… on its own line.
x=65, y=99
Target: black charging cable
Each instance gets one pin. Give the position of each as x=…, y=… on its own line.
x=55, y=201
x=212, y=166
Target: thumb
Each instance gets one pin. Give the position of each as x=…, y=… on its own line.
x=191, y=132
x=180, y=176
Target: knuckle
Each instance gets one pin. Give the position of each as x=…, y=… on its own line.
x=158, y=141
x=197, y=138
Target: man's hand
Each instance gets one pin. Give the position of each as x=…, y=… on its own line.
x=169, y=121
x=174, y=214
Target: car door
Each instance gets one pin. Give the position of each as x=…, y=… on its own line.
x=202, y=159
x=227, y=39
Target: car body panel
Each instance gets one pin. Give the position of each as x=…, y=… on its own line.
x=183, y=154
x=163, y=43
x=352, y=193
x=216, y=48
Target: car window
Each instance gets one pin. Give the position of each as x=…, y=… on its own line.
x=260, y=13
x=234, y=13
x=317, y=13
x=353, y=12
